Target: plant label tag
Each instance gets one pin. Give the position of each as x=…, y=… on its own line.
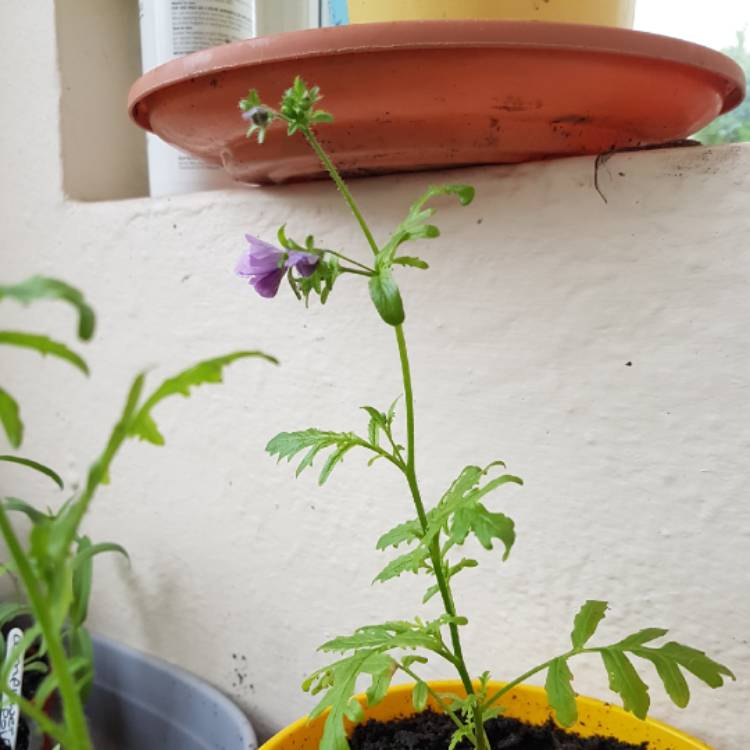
x=9, y=712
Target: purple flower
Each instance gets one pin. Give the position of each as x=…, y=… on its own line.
x=304, y=262
x=265, y=265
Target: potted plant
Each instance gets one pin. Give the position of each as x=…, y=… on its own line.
x=47, y=640
x=473, y=710
x=599, y=12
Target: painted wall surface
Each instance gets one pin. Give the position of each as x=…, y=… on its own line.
x=602, y=350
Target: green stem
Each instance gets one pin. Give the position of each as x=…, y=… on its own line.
x=410, y=467
x=341, y=185
x=75, y=719
x=356, y=271
x=384, y=454
x=396, y=450
x=436, y=697
x=369, y=270
x=95, y=478
x=515, y=683
x=443, y=585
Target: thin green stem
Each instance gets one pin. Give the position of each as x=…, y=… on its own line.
x=526, y=675
x=351, y=260
x=442, y=582
x=341, y=185
x=95, y=478
x=409, y=467
x=382, y=453
x=436, y=697
x=75, y=719
x=356, y=271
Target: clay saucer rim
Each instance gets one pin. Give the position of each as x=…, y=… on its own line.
x=425, y=35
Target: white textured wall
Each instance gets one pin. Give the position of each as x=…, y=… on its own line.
x=538, y=296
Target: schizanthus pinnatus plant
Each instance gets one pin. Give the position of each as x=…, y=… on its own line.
x=437, y=532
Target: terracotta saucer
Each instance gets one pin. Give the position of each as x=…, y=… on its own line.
x=420, y=95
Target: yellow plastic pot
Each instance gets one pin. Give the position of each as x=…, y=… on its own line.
x=599, y=12
x=524, y=702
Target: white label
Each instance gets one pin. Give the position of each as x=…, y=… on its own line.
x=276, y=16
x=170, y=29
x=197, y=25
x=9, y=711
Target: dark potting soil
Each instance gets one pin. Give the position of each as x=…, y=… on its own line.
x=431, y=731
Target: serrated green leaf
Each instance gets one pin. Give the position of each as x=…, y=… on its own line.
x=411, y=562
x=406, y=260
x=287, y=445
x=335, y=457
x=44, y=346
x=638, y=639
x=35, y=466
x=466, y=480
x=449, y=573
x=625, y=681
x=408, y=532
x=339, y=680
x=308, y=459
x=560, y=693
x=378, y=422
x=43, y=287
x=669, y=672
x=416, y=224
x=207, y=371
x=397, y=634
x=10, y=418
x=419, y=696
x=587, y=621
x=461, y=734
x=391, y=413
x=494, y=484
x=381, y=681
x=697, y=663
x=459, y=511
x=485, y=525
x=386, y=297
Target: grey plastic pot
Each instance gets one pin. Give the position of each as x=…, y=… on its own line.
x=142, y=703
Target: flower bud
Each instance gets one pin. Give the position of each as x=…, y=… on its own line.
x=258, y=116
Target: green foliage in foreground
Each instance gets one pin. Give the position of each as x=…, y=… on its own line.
x=54, y=563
